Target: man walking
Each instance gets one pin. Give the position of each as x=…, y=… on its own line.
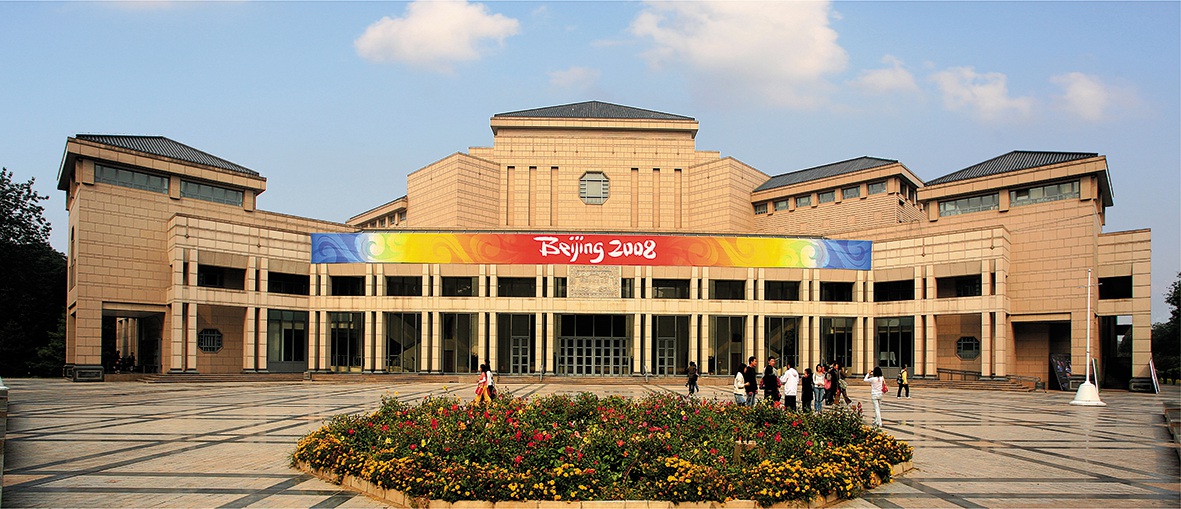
x=791, y=384
x=771, y=382
x=751, y=375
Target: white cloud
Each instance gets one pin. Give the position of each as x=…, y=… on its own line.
x=435, y=34
x=987, y=95
x=575, y=77
x=1084, y=95
x=890, y=79
x=781, y=51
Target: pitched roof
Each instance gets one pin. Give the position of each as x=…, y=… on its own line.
x=1013, y=161
x=827, y=170
x=161, y=146
x=594, y=109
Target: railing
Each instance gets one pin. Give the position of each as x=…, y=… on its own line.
x=1035, y=381
x=952, y=373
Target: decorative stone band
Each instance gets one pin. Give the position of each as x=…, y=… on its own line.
x=398, y=499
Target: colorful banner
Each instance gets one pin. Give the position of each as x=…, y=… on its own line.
x=574, y=249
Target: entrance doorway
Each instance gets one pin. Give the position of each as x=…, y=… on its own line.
x=593, y=345
x=131, y=341
x=670, y=345
x=1115, y=349
x=515, y=339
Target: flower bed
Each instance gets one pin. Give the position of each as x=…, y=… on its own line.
x=583, y=447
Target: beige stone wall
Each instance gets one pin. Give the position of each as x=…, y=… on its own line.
x=720, y=196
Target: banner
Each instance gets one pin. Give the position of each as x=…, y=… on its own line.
x=597, y=249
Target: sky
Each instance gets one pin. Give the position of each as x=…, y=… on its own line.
x=336, y=102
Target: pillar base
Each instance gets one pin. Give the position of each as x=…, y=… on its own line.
x=1087, y=395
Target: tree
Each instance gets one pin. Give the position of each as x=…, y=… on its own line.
x=32, y=282
x=1166, y=336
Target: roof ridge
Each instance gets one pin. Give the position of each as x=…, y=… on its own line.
x=593, y=109
x=165, y=147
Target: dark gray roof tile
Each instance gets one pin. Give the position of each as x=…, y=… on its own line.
x=828, y=170
x=1013, y=161
x=593, y=109
x=161, y=146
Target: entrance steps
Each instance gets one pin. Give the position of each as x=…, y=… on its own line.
x=219, y=378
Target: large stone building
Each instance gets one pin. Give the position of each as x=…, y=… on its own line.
x=596, y=239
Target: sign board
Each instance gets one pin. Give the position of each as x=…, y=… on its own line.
x=1060, y=366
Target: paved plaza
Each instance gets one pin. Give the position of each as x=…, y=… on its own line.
x=226, y=445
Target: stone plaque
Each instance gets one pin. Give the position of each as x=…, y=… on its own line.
x=592, y=282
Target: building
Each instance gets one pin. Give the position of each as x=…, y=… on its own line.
x=540, y=254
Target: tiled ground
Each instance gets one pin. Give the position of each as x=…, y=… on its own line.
x=227, y=445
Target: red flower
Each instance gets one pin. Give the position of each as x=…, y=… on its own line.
x=619, y=443
x=351, y=431
x=413, y=446
x=777, y=437
x=385, y=427
x=517, y=460
x=434, y=423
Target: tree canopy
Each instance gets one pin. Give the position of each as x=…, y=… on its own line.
x=1166, y=336
x=32, y=285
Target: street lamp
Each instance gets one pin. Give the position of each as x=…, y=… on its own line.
x=1088, y=393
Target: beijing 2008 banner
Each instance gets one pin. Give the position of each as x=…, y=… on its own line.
x=597, y=249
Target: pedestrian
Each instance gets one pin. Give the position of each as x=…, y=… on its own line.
x=482, y=385
x=819, y=388
x=740, y=387
x=692, y=383
x=806, y=390
x=903, y=381
x=877, y=387
x=842, y=385
x=750, y=375
x=830, y=385
x=791, y=385
x=770, y=382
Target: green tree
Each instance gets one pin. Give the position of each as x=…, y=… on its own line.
x=1166, y=336
x=32, y=282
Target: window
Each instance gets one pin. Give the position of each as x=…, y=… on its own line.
x=727, y=289
x=291, y=284
x=761, y=208
x=348, y=285
x=516, y=287
x=403, y=340
x=895, y=346
x=210, y=193
x=724, y=350
x=876, y=187
x=782, y=339
x=403, y=286
x=1052, y=192
x=209, y=340
x=458, y=286
x=670, y=288
x=803, y=201
x=887, y=291
x=212, y=276
x=345, y=331
x=287, y=335
x=826, y=197
x=836, y=292
x=967, y=348
x=627, y=288
x=781, y=290
x=970, y=204
x=781, y=205
x=560, y=287
x=963, y=286
x=850, y=192
x=836, y=340
x=594, y=188
x=130, y=178
x=1119, y=287
x=401, y=216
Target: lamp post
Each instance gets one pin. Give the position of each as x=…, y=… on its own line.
x=1088, y=393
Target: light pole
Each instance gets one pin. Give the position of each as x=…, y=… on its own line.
x=1088, y=393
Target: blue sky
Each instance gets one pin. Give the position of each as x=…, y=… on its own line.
x=336, y=102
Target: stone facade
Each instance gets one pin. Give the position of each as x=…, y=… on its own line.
x=982, y=272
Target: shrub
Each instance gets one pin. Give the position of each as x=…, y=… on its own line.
x=662, y=447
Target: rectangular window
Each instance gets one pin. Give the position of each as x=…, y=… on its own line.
x=761, y=208
x=888, y=291
x=287, y=336
x=403, y=340
x=347, y=285
x=130, y=178
x=803, y=201
x=516, y=287
x=560, y=287
x=1040, y=194
x=670, y=288
x=291, y=284
x=969, y=204
x=403, y=286
x=836, y=340
x=211, y=193
x=727, y=289
x=459, y=286
x=1119, y=287
x=895, y=347
x=781, y=290
x=836, y=292
x=826, y=197
x=850, y=192
x=876, y=187
x=781, y=337
x=781, y=205
x=211, y=276
x=627, y=288
x=960, y=286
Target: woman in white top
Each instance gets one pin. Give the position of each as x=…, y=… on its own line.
x=739, y=388
x=877, y=386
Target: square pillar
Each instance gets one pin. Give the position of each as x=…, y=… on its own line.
x=191, y=338
x=249, y=340
x=176, y=358
x=930, y=368
x=986, y=344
